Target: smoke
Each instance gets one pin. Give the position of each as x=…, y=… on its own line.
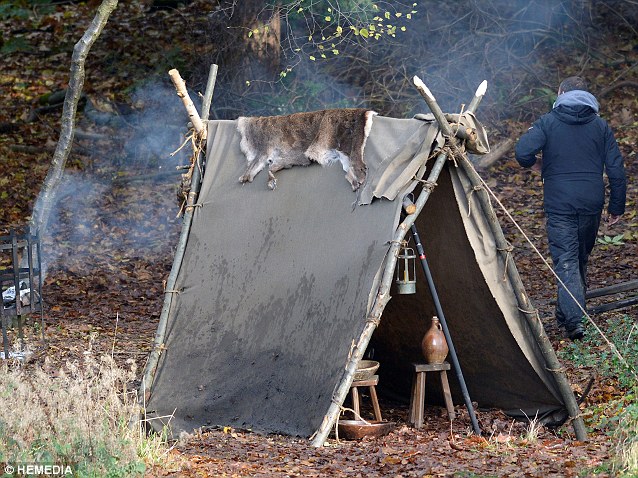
x=158, y=127
x=73, y=219
x=121, y=203
x=452, y=46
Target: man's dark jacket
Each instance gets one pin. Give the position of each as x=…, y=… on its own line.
x=577, y=146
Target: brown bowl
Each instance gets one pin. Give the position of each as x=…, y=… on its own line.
x=357, y=429
x=365, y=370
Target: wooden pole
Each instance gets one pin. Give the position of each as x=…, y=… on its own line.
x=478, y=96
x=612, y=289
x=182, y=92
x=381, y=300
x=158, y=344
x=497, y=153
x=553, y=364
x=618, y=304
x=451, y=140
x=210, y=89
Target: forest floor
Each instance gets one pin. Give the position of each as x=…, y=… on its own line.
x=110, y=248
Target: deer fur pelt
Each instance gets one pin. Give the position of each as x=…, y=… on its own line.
x=299, y=139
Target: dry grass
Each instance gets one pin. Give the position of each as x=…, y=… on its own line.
x=80, y=416
x=626, y=434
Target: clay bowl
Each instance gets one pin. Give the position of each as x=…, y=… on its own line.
x=357, y=429
x=365, y=370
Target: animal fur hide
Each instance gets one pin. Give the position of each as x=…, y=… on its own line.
x=325, y=136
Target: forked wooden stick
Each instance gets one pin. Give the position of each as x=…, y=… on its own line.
x=182, y=92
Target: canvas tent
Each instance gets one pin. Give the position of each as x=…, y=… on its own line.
x=278, y=292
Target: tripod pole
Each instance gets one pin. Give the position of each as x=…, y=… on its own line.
x=446, y=331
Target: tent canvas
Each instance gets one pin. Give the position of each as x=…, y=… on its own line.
x=275, y=287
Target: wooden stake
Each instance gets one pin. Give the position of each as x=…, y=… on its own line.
x=182, y=92
x=146, y=386
x=478, y=96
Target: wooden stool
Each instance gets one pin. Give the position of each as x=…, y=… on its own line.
x=371, y=384
x=417, y=400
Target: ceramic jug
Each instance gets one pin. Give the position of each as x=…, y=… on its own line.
x=433, y=345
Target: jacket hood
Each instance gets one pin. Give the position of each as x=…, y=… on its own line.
x=576, y=106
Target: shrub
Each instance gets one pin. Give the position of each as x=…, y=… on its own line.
x=80, y=416
x=626, y=435
x=593, y=351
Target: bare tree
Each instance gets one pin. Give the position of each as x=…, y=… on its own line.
x=44, y=204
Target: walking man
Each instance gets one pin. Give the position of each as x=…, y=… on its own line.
x=577, y=147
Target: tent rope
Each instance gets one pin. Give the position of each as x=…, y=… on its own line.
x=556, y=370
x=529, y=312
x=508, y=249
x=452, y=150
x=571, y=419
x=427, y=185
x=611, y=345
x=469, y=199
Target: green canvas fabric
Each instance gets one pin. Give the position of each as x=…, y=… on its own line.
x=276, y=285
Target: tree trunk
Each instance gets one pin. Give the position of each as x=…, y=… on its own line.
x=44, y=204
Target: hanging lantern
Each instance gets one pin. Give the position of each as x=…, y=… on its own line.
x=406, y=271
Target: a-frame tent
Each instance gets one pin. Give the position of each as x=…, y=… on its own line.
x=278, y=293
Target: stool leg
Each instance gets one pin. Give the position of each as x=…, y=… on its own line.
x=355, y=403
x=412, y=415
x=420, y=399
x=447, y=395
x=375, y=403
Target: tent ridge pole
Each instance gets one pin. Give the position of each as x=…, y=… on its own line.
x=553, y=364
x=158, y=343
x=374, y=317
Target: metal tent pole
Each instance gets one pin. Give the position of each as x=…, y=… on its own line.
x=446, y=330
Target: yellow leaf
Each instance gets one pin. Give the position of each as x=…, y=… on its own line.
x=364, y=33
